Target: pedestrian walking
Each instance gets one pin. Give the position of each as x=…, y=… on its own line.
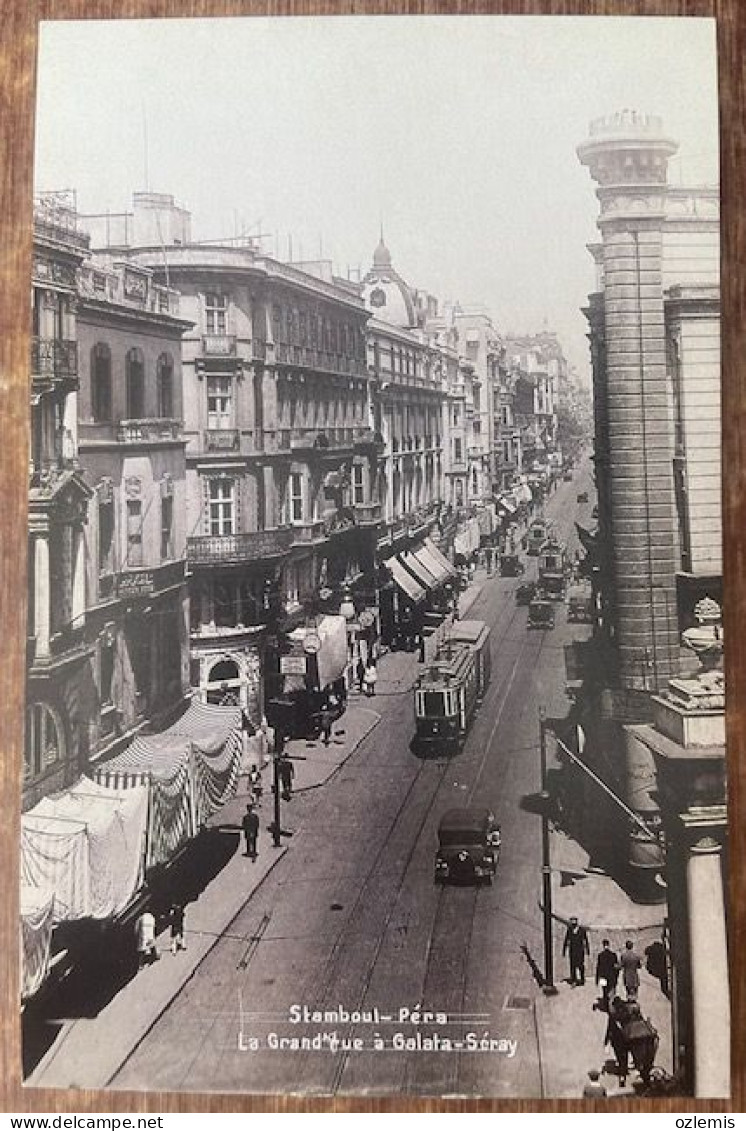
x=147, y=952
x=370, y=679
x=594, y=1089
x=250, y=826
x=176, y=922
x=488, y=559
x=326, y=724
x=421, y=647
x=255, y=784
x=607, y=973
x=360, y=673
x=656, y=963
x=576, y=947
x=630, y=963
x=287, y=773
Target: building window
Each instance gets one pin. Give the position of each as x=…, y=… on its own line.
x=106, y=670
x=295, y=497
x=135, y=378
x=457, y=452
x=134, y=532
x=101, y=383
x=105, y=538
x=45, y=744
x=358, y=484
x=166, y=386
x=219, y=402
x=216, y=307
x=167, y=527
x=222, y=506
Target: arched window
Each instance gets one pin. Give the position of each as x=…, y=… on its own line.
x=45, y=740
x=101, y=382
x=166, y=386
x=135, y=385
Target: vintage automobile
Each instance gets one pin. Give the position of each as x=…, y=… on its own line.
x=580, y=603
x=583, y=497
x=525, y=592
x=540, y=613
x=468, y=846
x=511, y=565
x=567, y=476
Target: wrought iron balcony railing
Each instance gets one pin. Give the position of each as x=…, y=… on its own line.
x=148, y=430
x=54, y=358
x=217, y=549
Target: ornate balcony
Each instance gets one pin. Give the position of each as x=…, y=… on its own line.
x=149, y=430
x=367, y=514
x=222, y=440
x=219, y=345
x=307, y=533
x=54, y=359
x=228, y=549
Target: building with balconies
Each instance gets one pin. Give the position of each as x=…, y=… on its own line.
x=482, y=348
x=57, y=691
x=131, y=444
x=281, y=452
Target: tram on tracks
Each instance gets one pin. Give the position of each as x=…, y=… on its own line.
x=553, y=569
x=450, y=689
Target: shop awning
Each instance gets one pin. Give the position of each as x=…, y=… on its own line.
x=405, y=581
x=507, y=504
x=433, y=565
x=411, y=560
x=440, y=558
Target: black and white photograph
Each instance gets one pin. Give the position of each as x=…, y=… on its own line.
x=375, y=706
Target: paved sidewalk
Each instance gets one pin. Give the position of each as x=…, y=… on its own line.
x=319, y=762
x=570, y=1033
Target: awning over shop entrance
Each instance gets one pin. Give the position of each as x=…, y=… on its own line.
x=412, y=561
x=405, y=581
x=508, y=505
x=448, y=567
x=436, y=568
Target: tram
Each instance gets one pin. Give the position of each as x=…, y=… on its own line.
x=449, y=690
x=552, y=569
x=536, y=536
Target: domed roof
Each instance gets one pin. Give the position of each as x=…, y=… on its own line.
x=385, y=293
x=382, y=255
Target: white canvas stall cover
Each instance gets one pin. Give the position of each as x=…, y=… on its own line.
x=37, y=922
x=86, y=846
x=332, y=655
x=192, y=769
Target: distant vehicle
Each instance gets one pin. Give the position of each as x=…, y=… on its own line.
x=525, y=592
x=536, y=536
x=541, y=613
x=553, y=569
x=583, y=497
x=449, y=690
x=511, y=565
x=468, y=846
x=580, y=603
x=594, y=512
x=567, y=476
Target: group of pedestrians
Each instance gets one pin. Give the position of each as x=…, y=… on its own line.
x=145, y=935
x=628, y=1033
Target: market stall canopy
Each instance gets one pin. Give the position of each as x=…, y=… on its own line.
x=405, y=581
x=86, y=846
x=37, y=923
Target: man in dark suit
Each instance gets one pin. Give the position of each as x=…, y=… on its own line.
x=576, y=947
x=607, y=973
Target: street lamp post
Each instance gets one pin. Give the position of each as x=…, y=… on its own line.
x=546, y=870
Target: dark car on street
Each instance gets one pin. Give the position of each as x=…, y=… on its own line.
x=583, y=497
x=468, y=846
x=541, y=613
x=511, y=565
x=525, y=592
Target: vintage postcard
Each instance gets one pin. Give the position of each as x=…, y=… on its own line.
x=375, y=732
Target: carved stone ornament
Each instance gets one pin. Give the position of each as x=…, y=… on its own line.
x=132, y=487
x=105, y=491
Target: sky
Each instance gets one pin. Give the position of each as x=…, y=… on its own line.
x=457, y=135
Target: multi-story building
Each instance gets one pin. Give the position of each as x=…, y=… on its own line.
x=131, y=445
x=281, y=456
x=57, y=690
x=482, y=351
x=654, y=333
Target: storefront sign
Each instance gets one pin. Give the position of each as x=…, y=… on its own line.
x=292, y=665
x=136, y=583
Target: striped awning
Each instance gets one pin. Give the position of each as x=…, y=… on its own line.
x=411, y=561
x=440, y=558
x=405, y=581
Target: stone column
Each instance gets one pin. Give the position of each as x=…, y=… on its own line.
x=709, y=969
x=78, y=602
x=41, y=595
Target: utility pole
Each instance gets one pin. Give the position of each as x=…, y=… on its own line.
x=549, y=987
x=276, y=824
